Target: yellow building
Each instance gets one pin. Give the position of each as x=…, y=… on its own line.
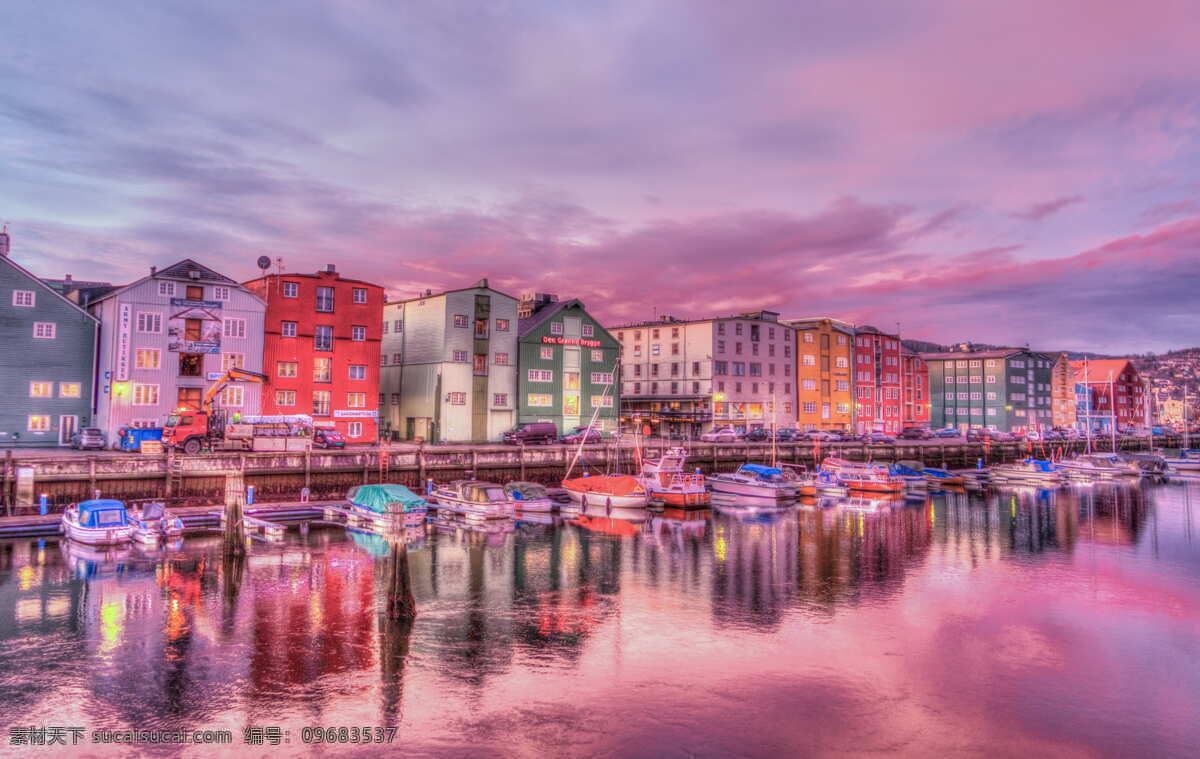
x=824, y=361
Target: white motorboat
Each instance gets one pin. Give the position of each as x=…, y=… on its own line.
x=1188, y=460
x=1029, y=471
x=754, y=481
x=475, y=499
x=530, y=497
x=154, y=524
x=1098, y=465
x=99, y=522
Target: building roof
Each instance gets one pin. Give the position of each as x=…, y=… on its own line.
x=671, y=321
x=1098, y=369
x=48, y=288
x=814, y=321
x=480, y=285
x=181, y=271
x=528, y=324
x=315, y=275
x=955, y=355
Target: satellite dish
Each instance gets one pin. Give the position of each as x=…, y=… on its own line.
x=264, y=262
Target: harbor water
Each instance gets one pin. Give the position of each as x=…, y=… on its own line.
x=1020, y=623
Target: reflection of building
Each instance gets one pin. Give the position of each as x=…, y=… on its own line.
x=321, y=349
x=567, y=365
x=49, y=360
x=1108, y=392
x=683, y=377
x=167, y=337
x=824, y=354
x=877, y=384
x=451, y=369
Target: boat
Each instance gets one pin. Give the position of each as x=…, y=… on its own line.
x=1098, y=465
x=529, y=496
x=1187, y=460
x=665, y=480
x=154, y=524
x=804, y=480
x=475, y=499
x=98, y=522
x=937, y=477
x=1150, y=464
x=829, y=484
x=754, y=481
x=912, y=472
x=612, y=490
x=384, y=505
x=1029, y=471
x=865, y=477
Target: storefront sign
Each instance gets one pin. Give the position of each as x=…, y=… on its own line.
x=555, y=340
x=354, y=414
x=124, y=329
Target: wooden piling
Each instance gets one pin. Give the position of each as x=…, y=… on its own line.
x=400, y=603
x=235, y=503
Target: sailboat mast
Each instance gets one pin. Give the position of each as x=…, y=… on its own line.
x=596, y=415
x=1091, y=402
x=1112, y=414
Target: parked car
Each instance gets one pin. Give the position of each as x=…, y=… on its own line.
x=915, y=433
x=878, y=438
x=759, y=435
x=88, y=438
x=824, y=436
x=722, y=435
x=579, y=433
x=328, y=439
x=979, y=435
x=787, y=435
x=947, y=432
x=532, y=433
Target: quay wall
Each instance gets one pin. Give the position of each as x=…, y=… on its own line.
x=197, y=480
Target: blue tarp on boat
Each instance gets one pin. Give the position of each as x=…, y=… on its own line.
x=762, y=471
x=1041, y=464
x=380, y=498
x=103, y=512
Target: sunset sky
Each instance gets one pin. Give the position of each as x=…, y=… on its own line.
x=1004, y=172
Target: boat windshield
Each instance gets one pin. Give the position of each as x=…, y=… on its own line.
x=106, y=517
x=495, y=494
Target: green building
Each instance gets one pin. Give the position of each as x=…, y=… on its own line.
x=49, y=360
x=1009, y=389
x=568, y=365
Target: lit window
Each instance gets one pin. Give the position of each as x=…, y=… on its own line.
x=460, y=321
x=41, y=389
x=145, y=395
x=232, y=360
x=69, y=389
x=502, y=325
x=320, y=403
x=502, y=359
x=147, y=358
x=356, y=400
x=458, y=399
x=286, y=368
x=285, y=397
x=39, y=423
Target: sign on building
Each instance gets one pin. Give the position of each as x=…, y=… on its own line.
x=124, y=330
x=194, y=326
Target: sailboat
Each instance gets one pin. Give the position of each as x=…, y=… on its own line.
x=1188, y=458
x=611, y=490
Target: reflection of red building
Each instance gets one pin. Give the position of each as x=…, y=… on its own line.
x=877, y=386
x=915, y=382
x=321, y=350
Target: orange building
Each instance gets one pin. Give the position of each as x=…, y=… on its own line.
x=824, y=356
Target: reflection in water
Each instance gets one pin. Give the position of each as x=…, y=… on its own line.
x=606, y=620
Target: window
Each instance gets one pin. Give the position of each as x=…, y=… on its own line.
x=991, y=411
x=23, y=298
x=950, y=379
x=843, y=408
x=149, y=322
x=755, y=370
x=287, y=329
x=354, y=429
x=949, y=396
x=383, y=359
x=655, y=349
x=500, y=400
x=145, y=395
x=397, y=358
x=737, y=348
x=285, y=397
x=356, y=400
x=810, y=407
x=291, y=290
x=44, y=330
x=841, y=363
x=501, y=359
x=674, y=349
x=976, y=379
x=325, y=299
x=322, y=370
x=147, y=358
x=602, y=378
x=323, y=337
x=991, y=396
x=285, y=369
x=547, y=353
x=220, y=293
x=502, y=326
x=232, y=360
x=976, y=396
x=602, y=401
x=358, y=371
x=166, y=289
x=720, y=367
x=545, y=399
x=39, y=423
x=397, y=326
x=991, y=379
x=385, y=327
x=460, y=357
x=808, y=384
x=540, y=375
x=590, y=331
x=358, y=334
x=597, y=356
x=460, y=321
x=808, y=337
x=808, y=359
x=69, y=389
x=234, y=395
x=843, y=385
x=395, y=399
x=360, y=295
x=457, y=399
x=191, y=364
x=481, y=365
x=720, y=346
x=320, y=403
x=41, y=389
x=964, y=396
x=739, y=369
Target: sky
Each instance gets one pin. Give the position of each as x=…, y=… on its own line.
x=1001, y=172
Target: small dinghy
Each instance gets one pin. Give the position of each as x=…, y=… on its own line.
x=529, y=496
x=154, y=524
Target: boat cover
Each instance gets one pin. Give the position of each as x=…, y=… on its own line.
x=103, y=512
x=902, y=468
x=760, y=470
x=525, y=491
x=377, y=498
x=605, y=484
x=1041, y=465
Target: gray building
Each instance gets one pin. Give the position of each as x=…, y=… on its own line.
x=167, y=337
x=48, y=360
x=448, y=369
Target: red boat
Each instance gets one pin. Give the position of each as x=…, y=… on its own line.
x=665, y=480
x=870, y=478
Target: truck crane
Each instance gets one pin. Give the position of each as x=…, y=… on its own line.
x=208, y=427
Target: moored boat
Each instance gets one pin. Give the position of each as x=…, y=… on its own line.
x=754, y=481
x=154, y=524
x=665, y=480
x=98, y=522
x=1150, y=464
x=613, y=490
x=385, y=505
x=912, y=472
x=1187, y=460
x=474, y=499
x=1029, y=471
x=804, y=480
x=1098, y=465
x=943, y=477
x=865, y=477
x=529, y=496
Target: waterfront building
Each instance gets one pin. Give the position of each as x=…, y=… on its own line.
x=1062, y=393
x=567, y=365
x=164, y=340
x=1108, y=392
x=450, y=372
x=1008, y=389
x=321, y=349
x=914, y=376
x=683, y=377
x=824, y=355
x=877, y=384
x=48, y=360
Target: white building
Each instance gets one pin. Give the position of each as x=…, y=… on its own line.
x=448, y=370
x=167, y=337
x=686, y=377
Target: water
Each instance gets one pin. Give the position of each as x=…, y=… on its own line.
x=1023, y=624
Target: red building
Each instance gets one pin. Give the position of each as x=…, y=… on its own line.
x=1097, y=383
x=877, y=384
x=914, y=375
x=321, y=350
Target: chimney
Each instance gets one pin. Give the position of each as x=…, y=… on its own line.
x=153, y=270
x=330, y=269
x=4, y=241
x=68, y=278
